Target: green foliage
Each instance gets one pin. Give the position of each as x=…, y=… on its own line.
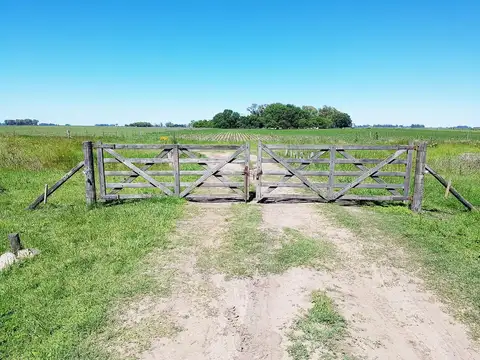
x=318, y=333
x=140, y=124
x=21, y=122
x=228, y=119
x=278, y=116
x=202, y=124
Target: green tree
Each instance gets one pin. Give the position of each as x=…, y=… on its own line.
x=281, y=116
x=341, y=120
x=228, y=119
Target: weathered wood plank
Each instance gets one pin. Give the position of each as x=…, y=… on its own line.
x=340, y=147
x=111, y=197
x=101, y=170
x=89, y=171
x=141, y=185
x=451, y=189
x=338, y=161
x=247, y=172
x=420, y=163
x=331, y=170
x=167, y=161
x=258, y=173
x=293, y=171
x=367, y=174
x=134, y=175
x=408, y=172
x=170, y=173
x=210, y=172
x=208, y=147
x=335, y=185
x=336, y=173
x=374, y=176
x=345, y=197
x=176, y=169
x=136, y=146
x=140, y=172
x=59, y=183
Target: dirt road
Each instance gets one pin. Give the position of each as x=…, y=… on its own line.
x=389, y=314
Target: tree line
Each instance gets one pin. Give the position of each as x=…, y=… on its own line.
x=21, y=122
x=278, y=116
x=148, y=124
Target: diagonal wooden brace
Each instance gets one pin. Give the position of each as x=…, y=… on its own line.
x=295, y=172
x=365, y=175
x=211, y=171
x=139, y=171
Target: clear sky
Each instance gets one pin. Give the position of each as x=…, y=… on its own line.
x=87, y=62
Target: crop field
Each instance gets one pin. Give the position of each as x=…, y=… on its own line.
x=69, y=302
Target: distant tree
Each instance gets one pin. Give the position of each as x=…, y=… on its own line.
x=256, y=109
x=281, y=116
x=33, y=122
x=228, y=119
x=341, y=120
x=140, y=124
x=201, y=124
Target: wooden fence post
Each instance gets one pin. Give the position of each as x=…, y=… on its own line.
x=176, y=168
x=101, y=170
x=15, y=243
x=258, y=173
x=420, y=163
x=89, y=172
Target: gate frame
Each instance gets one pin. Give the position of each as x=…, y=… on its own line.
x=240, y=188
x=331, y=195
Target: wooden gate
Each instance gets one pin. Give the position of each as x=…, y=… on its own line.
x=334, y=172
x=133, y=171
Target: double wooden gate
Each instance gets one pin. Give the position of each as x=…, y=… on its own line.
x=324, y=173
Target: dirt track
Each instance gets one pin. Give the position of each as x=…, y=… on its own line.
x=389, y=314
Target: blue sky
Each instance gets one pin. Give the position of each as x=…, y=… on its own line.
x=87, y=62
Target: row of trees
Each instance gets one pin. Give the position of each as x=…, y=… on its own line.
x=148, y=124
x=21, y=122
x=278, y=116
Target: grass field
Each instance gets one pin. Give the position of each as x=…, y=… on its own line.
x=49, y=306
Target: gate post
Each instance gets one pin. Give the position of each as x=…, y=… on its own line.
x=89, y=172
x=258, y=173
x=421, y=159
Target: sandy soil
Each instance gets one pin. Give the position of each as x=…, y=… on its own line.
x=389, y=314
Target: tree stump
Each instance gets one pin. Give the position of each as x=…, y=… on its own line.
x=15, y=243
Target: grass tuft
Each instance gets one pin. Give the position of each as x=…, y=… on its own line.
x=319, y=332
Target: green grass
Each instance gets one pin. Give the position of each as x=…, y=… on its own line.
x=319, y=332
x=90, y=260
x=247, y=250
